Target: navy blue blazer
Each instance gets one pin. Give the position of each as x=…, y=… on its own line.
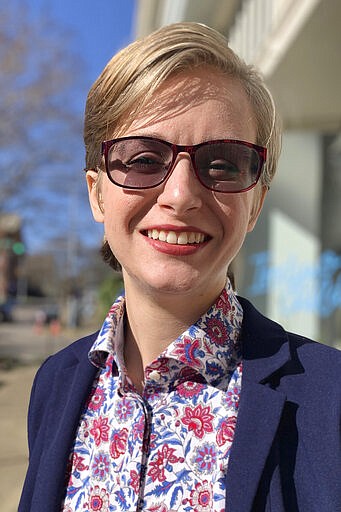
x=286, y=454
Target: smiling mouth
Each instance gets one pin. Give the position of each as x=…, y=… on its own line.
x=182, y=238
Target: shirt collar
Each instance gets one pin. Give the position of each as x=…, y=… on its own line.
x=211, y=346
x=208, y=349
x=110, y=337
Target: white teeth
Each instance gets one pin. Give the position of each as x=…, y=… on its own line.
x=183, y=239
x=171, y=237
x=162, y=236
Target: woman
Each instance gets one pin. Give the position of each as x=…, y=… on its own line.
x=187, y=399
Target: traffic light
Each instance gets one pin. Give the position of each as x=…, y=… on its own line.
x=18, y=248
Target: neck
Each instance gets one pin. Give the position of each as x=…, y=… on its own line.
x=154, y=321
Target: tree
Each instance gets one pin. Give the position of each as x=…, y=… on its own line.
x=40, y=120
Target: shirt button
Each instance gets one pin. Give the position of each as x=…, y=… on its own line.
x=155, y=376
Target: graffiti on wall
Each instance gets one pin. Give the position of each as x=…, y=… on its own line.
x=314, y=288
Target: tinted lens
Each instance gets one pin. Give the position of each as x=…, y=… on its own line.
x=138, y=163
x=227, y=166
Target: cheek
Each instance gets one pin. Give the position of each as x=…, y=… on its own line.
x=123, y=210
x=235, y=213
x=115, y=210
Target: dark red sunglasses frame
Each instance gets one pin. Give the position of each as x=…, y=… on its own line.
x=191, y=150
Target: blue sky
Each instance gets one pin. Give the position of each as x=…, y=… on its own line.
x=103, y=26
x=98, y=29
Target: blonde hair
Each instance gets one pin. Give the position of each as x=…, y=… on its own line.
x=132, y=76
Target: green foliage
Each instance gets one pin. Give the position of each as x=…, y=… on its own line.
x=109, y=289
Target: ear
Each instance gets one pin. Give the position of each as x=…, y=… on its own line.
x=258, y=201
x=94, y=194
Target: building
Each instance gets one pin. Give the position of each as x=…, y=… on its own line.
x=290, y=266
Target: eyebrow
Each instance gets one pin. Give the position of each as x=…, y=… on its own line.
x=156, y=135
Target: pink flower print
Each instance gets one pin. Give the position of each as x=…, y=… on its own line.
x=158, y=508
x=189, y=351
x=223, y=303
x=216, y=331
x=199, y=420
x=108, y=366
x=161, y=365
x=117, y=308
x=138, y=429
x=118, y=443
x=83, y=431
x=96, y=502
x=134, y=481
x=76, y=463
x=165, y=458
x=189, y=389
x=100, y=466
x=232, y=398
x=138, y=435
x=124, y=410
x=201, y=497
x=226, y=430
x=100, y=430
x=206, y=458
x=96, y=399
x=99, y=500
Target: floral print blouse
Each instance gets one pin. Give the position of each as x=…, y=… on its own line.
x=166, y=449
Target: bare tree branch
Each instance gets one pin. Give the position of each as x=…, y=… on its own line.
x=40, y=122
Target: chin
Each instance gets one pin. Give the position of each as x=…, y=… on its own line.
x=166, y=281
x=174, y=285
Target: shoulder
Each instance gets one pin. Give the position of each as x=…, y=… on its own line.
x=256, y=322
x=317, y=373
x=265, y=340
x=53, y=384
x=75, y=353
x=78, y=349
x=315, y=354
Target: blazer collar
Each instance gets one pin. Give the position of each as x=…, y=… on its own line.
x=70, y=389
x=265, y=344
x=266, y=350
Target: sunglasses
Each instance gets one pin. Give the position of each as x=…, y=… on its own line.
x=220, y=165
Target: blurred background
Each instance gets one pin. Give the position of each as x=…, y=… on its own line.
x=53, y=284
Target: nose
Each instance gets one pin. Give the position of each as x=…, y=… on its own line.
x=182, y=191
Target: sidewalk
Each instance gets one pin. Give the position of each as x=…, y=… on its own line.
x=22, y=348
x=15, y=386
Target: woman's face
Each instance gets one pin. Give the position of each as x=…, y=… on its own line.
x=187, y=109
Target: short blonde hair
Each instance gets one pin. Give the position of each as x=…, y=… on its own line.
x=132, y=76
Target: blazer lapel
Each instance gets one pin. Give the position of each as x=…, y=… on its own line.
x=258, y=418
x=265, y=351
x=71, y=388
